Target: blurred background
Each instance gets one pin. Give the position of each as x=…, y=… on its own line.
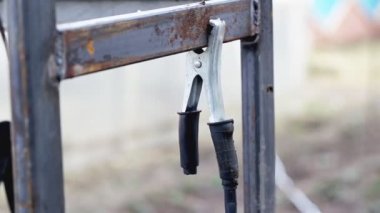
x=120, y=127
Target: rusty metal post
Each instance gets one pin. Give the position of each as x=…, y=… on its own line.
x=36, y=144
x=258, y=113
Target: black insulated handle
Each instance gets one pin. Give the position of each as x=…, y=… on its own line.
x=188, y=141
x=6, y=162
x=222, y=137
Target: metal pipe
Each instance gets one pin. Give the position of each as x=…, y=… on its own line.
x=89, y=46
x=36, y=136
x=258, y=113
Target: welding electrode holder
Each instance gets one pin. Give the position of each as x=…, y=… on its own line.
x=203, y=70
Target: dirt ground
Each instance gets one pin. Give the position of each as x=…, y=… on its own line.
x=335, y=127
x=327, y=134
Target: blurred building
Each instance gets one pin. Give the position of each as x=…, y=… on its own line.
x=292, y=44
x=345, y=21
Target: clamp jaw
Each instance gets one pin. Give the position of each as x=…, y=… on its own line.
x=203, y=70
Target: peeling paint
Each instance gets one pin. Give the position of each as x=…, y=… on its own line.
x=90, y=47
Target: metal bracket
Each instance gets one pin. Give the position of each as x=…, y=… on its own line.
x=256, y=22
x=203, y=67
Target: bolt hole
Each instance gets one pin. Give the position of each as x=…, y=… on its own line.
x=270, y=89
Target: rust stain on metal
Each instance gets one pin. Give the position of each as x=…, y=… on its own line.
x=90, y=47
x=192, y=24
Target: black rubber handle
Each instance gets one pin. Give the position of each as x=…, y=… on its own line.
x=188, y=141
x=222, y=137
x=6, y=162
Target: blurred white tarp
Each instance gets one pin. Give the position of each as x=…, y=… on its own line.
x=294, y=194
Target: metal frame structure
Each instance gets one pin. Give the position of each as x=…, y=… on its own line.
x=43, y=53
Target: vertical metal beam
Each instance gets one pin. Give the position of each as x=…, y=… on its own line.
x=36, y=144
x=258, y=114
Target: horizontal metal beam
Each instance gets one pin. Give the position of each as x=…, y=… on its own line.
x=94, y=45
